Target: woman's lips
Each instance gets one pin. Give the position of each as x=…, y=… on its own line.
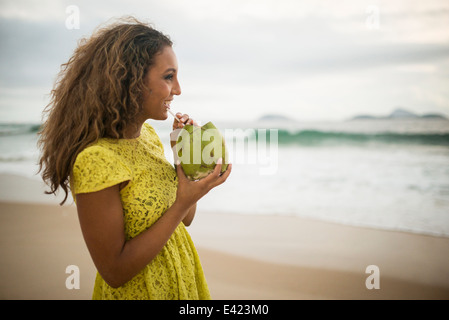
x=167, y=104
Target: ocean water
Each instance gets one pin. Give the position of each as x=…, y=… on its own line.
x=386, y=174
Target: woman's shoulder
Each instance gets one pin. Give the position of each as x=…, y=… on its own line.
x=150, y=135
x=99, y=148
x=149, y=131
x=97, y=167
x=101, y=152
x=148, y=127
x=100, y=156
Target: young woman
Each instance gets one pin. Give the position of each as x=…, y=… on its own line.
x=133, y=205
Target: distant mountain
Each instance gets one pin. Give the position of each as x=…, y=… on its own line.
x=364, y=117
x=401, y=113
x=433, y=116
x=275, y=117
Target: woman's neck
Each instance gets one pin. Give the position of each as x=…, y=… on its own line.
x=132, y=131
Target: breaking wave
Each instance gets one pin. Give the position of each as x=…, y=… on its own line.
x=7, y=129
x=318, y=137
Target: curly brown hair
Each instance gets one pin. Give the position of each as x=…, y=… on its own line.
x=97, y=94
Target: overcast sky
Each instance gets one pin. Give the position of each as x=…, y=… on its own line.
x=240, y=59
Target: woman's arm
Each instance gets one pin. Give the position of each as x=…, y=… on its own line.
x=117, y=260
x=101, y=219
x=190, y=215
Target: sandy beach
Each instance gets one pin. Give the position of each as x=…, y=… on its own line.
x=243, y=256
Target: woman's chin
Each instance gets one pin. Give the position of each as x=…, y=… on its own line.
x=161, y=117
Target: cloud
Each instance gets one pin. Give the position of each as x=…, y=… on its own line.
x=244, y=53
x=31, y=51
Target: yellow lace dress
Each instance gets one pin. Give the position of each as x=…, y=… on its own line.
x=176, y=272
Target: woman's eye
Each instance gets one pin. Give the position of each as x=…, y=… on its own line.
x=169, y=77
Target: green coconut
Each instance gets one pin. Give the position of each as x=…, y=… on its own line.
x=198, y=150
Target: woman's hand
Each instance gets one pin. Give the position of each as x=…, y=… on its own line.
x=184, y=119
x=189, y=192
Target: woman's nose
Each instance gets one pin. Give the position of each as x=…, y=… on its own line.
x=176, y=88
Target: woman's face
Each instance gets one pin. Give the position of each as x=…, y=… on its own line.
x=162, y=81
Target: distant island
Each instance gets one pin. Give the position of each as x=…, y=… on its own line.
x=275, y=117
x=401, y=113
x=397, y=114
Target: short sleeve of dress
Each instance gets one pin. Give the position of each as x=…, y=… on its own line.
x=97, y=168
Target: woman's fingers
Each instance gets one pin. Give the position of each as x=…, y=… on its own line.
x=184, y=119
x=216, y=178
x=222, y=178
x=214, y=174
x=212, y=180
x=180, y=172
x=190, y=192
